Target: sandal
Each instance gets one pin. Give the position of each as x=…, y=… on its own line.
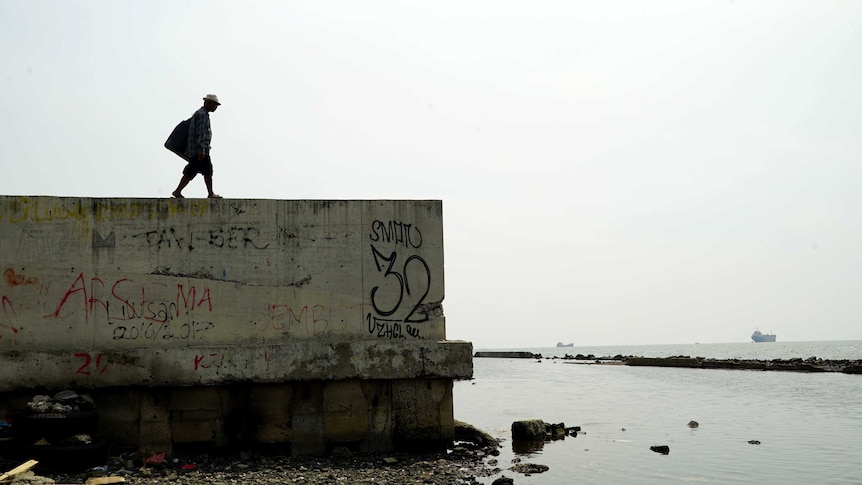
x=214, y=196
x=177, y=196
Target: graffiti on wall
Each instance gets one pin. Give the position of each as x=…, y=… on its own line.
x=132, y=310
x=8, y=317
x=91, y=365
x=403, y=280
x=9, y=312
x=396, y=305
x=43, y=209
x=309, y=320
x=233, y=237
x=125, y=300
x=132, y=314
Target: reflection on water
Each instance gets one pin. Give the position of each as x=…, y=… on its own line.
x=807, y=424
x=527, y=447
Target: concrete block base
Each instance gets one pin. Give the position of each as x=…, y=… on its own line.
x=308, y=418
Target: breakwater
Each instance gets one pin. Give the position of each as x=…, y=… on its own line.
x=811, y=364
x=509, y=355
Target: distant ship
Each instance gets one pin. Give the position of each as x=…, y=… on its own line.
x=762, y=337
x=560, y=344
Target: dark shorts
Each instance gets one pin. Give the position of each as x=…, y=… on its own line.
x=195, y=166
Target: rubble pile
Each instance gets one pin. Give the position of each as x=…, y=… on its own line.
x=57, y=431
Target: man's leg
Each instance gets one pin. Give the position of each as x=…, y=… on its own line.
x=208, y=180
x=208, y=177
x=178, y=193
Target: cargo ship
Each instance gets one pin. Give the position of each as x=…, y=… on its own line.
x=762, y=337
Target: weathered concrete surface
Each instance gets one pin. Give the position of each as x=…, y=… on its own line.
x=293, y=361
x=109, y=293
x=310, y=416
x=132, y=273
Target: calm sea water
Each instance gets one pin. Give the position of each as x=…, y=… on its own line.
x=809, y=425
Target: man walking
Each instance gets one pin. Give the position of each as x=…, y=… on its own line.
x=198, y=148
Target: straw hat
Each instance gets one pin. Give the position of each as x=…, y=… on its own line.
x=212, y=97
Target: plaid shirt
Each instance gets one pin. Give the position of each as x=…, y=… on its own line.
x=200, y=133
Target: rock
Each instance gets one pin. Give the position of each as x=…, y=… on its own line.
x=536, y=431
x=82, y=439
x=529, y=468
x=527, y=447
x=693, y=424
x=467, y=432
x=31, y=478
x=503, y=481
x=65, y=396
x=556, y=431
x=529, y=430
x=663, y=449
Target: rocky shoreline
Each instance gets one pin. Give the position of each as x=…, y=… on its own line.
x=460, y=465
x=468, y=457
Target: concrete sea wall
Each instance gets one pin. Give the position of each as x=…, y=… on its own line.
x=310, y=322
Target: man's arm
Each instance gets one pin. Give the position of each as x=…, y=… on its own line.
x=197, y=139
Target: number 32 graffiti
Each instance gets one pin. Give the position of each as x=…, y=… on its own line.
x=414, y=270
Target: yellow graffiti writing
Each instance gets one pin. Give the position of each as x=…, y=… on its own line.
x=52, y=209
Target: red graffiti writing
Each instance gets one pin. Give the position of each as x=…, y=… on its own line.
x=208, y=361
x=284, y=317
x=8, y=315
x=129, y=301
x=90, y=364
x=190, y=297
x=14, y=279
x=312, y=320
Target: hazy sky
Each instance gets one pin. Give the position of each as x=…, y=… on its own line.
x=612, y=172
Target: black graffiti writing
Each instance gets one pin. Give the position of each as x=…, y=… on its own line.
x=390, y=329
x=378, y=258
x=401, y=282
x=154, y=330
x=164, y=238
x=235, y=238
x=384, y=328
x=231, y=238
x=396, y=232
x=426, y=282
x=155, y=311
